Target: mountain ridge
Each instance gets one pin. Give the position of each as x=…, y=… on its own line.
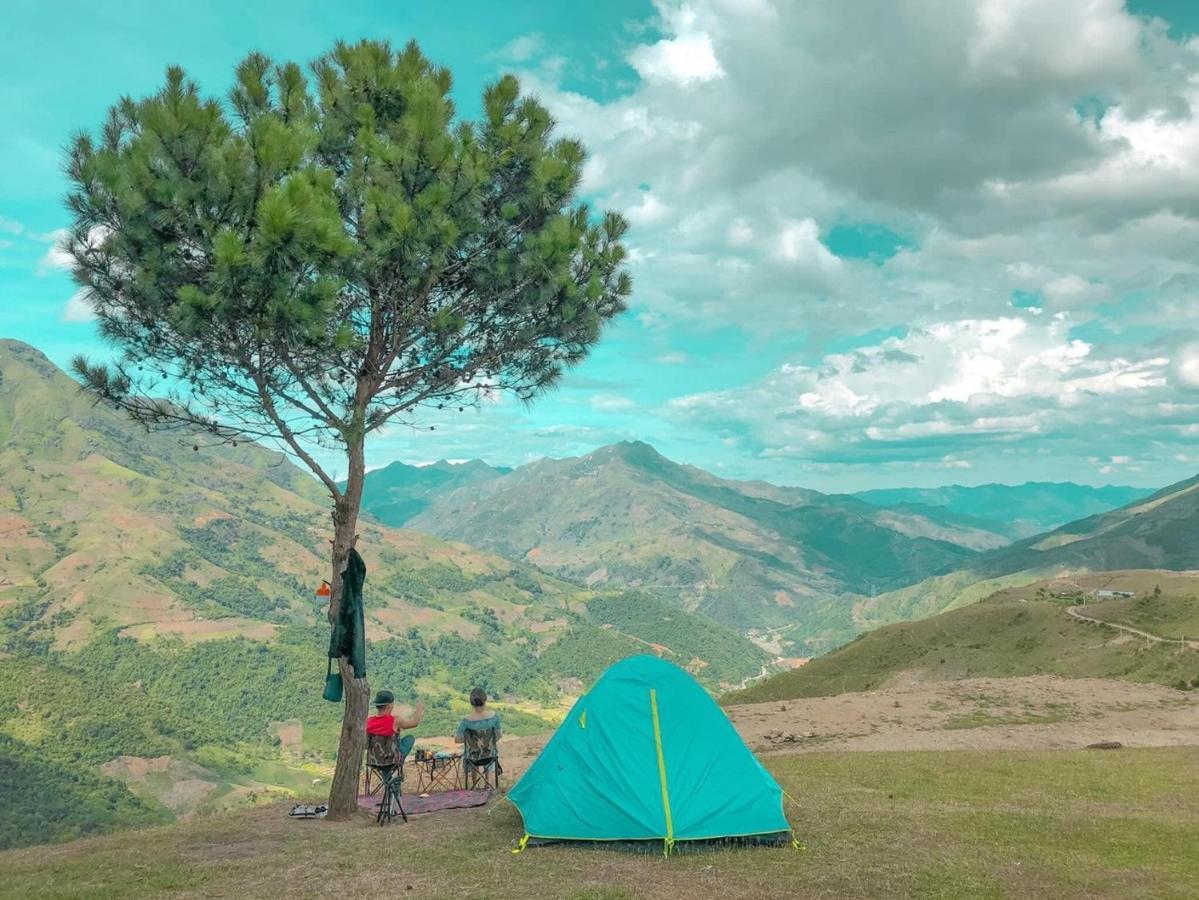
x=1157, y=532
x=1020, y=510
x=749, y=554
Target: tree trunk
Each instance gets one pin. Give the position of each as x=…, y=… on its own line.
x=343, y=793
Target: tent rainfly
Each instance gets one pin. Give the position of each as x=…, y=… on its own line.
x=647, y=755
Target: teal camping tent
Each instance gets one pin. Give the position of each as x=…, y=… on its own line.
x=646, y=754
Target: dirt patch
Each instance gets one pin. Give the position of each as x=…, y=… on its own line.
x=208, y=518
x=191, y=630
x=291, y=736
x=550, y=625
x=178, y=785
x=129, y=768
x=1034, y=713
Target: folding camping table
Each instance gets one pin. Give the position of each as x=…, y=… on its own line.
x=438, y=773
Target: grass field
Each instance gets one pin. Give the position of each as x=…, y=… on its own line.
x=999, y=637
x=1168, y=617
x=948, y=824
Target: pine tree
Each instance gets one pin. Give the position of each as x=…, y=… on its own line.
x=322, y=256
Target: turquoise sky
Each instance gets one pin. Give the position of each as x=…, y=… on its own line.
x=939, y=246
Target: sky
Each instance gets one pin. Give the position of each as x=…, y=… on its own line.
x=888, y=243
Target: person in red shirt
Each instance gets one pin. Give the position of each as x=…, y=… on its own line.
x=385, y=722
x=386, y=756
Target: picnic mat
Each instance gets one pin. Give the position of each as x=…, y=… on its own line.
x=415, y=804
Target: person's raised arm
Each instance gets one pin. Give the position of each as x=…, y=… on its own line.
x=417, y=714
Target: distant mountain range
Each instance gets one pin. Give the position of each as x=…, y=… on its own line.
x=1160, y=531
x=107, y=526
x=1018, y=510
x=749, y=554
x=757, y=556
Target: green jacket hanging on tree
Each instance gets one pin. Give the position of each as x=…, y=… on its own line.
x=349, y=631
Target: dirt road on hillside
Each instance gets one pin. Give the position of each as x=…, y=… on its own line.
x=1034, y=713
x=1075, y=612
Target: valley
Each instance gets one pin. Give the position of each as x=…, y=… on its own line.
x=800, y=571
x=163, y=591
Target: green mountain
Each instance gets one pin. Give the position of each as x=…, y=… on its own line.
x=752, y=555
x=160, y=637
x=397, y=492
x=1015, y=510
x=110, y=527
x=1026, y=631
x=1157, y=532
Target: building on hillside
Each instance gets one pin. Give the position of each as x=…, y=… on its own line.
x=1112, y=595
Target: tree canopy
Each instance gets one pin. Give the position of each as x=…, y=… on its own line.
x=321, y=255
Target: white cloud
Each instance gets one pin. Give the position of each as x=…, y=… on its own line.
x=57, y=256
x=649, y=211
x=798, y=246
x=740, y=232
x=1070, y=290
x=1074, y=43
x=949, y=394
x=962, y=133
x=686, y=59
x=78, y=308
x=673, y=359
x=611, y=403
x=520, y=49
x=1186, y=366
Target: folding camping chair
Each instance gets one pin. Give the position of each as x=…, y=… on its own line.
x=385, y=759
x=481, y=758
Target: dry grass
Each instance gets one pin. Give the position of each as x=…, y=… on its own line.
x=950, y=824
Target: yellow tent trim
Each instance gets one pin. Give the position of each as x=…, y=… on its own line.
x=653, y=705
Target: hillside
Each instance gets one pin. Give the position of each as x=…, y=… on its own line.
x=397, y=492
x=1015, y=510
x=158, y=620
x=1158, y=532
x=110, y=527
x=1024, y=631
x=749, y=554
